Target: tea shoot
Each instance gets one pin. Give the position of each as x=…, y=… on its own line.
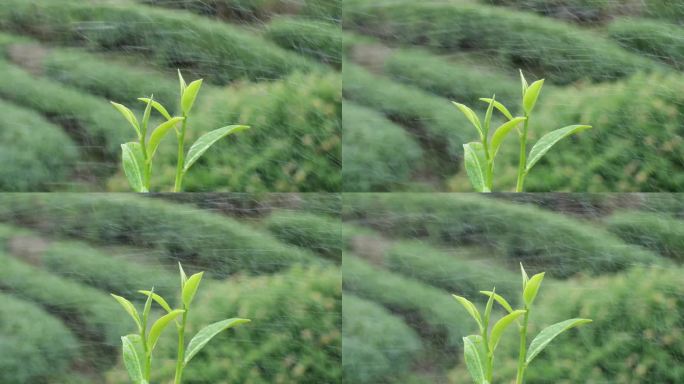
x=136, y=157
x=138, y=347
x=478, y=156
x=478, y=349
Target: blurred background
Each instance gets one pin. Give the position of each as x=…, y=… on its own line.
x=271, y=64
x=274, y=259
x=613, y=64
x=614, y=258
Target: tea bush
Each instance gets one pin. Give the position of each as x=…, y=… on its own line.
x=602, y=160
x=224, y=245
x=654, y=39
x=252, y=10
x=85, y=308
x=432, y=119
x=318, y=39
x=611, y=349
x=378, y=154
x=212, y=49
x=29, y=164
x=318, y=233
x=376, y=344
x=296, y=339
x=105, y=76
x=560, y=52
x=88, y=265
x=451, y=79
x=34, y=346
x=430, y=309
x=294, y=144
x=651, y=230
x=541, y=239
x=92, y=122
x=457, y=271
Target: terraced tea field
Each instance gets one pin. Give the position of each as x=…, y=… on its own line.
x=615, y=65
x=613, y=258
x=62, y=254
x=273, y=65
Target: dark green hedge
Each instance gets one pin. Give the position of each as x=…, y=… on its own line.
x=318, y=39
x=320, y=234
x=658, y=232
x=93, y=313
x=636, y=334
x=558, y=51
x=378, y=154
x=459, y=81
x=431, y=311
x=211, y=49
x=35, y=154
x=91, y=121
x=637, y=143
x=216, y=243
x=544, y=240
x=294, y=337
x=258, y=10
x=654, y=39
x=376, y=344
x=34, y=346
x=433, y=120
x=294, y=144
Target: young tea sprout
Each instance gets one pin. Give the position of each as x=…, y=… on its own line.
x=478, y=350
x=138, y=347
x=479, y=155
x=136, y=157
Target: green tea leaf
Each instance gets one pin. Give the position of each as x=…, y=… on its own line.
x=128, y=306
x=472, y=117
x=501, y=326
x=183, y=276
x=471, y=309
x=159, y=133
x=531, y=95
x=133, y=165
x=159, y=326
x=156, y=105
x=500, y=134
x=146, y=309
x=488, y=310
x=146, y=117
x=132, y=360
x=499, y=299
x=207, y=140
x=475, y=162
x=524, y=83
x=525, y=279
x=128, y=114
x=549, y=140
x=499, y=106
x=548, y=334
x=475, y=358
x=488, y=116
x=189, y=95
x=157, y=298
x=183, y=85
x=207, y=333
x=531, y=288
x=190, y=288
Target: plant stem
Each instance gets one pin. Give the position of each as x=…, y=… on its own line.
x=522, y=365
x=181, y=154
x=489, y=171
x=148, y=357
x=181, y=349
x=523, y=156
